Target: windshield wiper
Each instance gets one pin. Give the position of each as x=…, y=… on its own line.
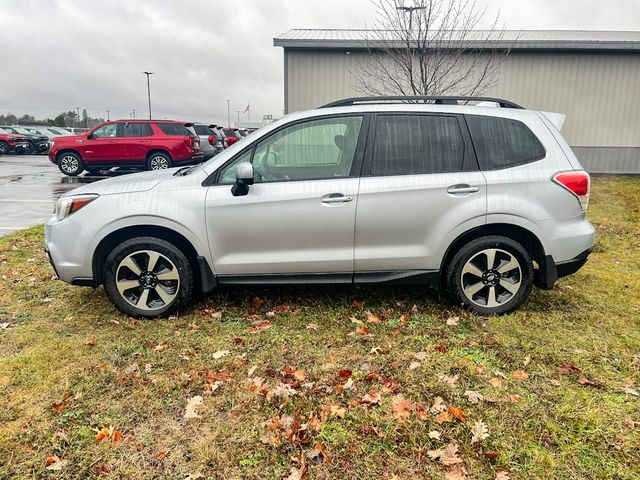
x=183, y=171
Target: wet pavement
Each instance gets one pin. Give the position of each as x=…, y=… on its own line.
x=30, y=186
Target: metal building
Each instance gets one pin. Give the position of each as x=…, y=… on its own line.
x=592, y=77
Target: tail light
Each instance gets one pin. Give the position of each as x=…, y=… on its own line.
x=188, y=141
x=578, y=183
x=212, y=141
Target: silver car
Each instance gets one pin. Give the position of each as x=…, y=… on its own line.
x=486, y=199
x=210, y=141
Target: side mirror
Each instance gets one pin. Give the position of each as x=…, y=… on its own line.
x=91, y=136
x=244, y=178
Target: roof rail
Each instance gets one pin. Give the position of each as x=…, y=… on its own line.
x=438, y=100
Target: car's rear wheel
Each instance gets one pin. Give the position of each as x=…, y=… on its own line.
x=70, y=164
x=491, y=275
x=148, y=277
x=159, y=161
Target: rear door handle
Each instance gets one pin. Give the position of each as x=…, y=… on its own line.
x=462, y=188
x=336, y=198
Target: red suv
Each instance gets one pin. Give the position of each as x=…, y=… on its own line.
x=10, y=142
x=233, y=135
x=153, y=144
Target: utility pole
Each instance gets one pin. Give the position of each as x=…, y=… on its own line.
x=229, y=113
x=108, y=118
x=410, y=10
x=148, y=90
x=133, y=114
x=78, y=117
x=238, y=112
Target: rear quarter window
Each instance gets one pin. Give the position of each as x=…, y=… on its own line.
x=503, y=142
x=174, y=129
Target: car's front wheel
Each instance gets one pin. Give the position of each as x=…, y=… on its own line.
x=70, y=164
x=4, y=148
x=148, y=277
x=159, y=161
x=491, y=275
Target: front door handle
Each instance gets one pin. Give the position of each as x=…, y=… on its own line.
x=336, y=198
x=462, y=188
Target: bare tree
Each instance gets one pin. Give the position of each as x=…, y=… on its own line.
x=433, y=47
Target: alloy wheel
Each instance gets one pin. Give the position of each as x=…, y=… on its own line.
x=491, y=278
x=69, y=164
x=159, y=162
x=147, y=280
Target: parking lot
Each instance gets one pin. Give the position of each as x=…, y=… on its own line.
x=29, y=187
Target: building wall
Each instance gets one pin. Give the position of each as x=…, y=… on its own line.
x=599, y=93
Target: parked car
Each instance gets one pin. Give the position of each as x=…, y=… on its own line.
x=59, y=132
x=486, y=201
x=220, y=131
x=12, y=143
x=78, y=130
x=232, y=135
x=210, y=140
x=38, y=143
x=151, y=144
x=243, y=132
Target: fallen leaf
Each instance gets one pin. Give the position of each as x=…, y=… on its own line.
x=312, y=326
x=438, y=405
x=444, y=417
x=257, y=302
x=117, y=437
x=318, y=454
x=191, y=410
x=55, y=463
x=434, y=434
x=220, y=354
x=520, y=375
x=90, y=343
x=568, y=367
x=344, y=373
x=298, y=473
x=162, y=453
x=450, y=381
x=479, y=432
x=4, y=326
x=414, y=365
x=103, y=433
x=401, y=408
x=456, y=413
x=456, y=472
x=502, y=476
x=585, y=381
x=61, y=406
x=283, y=391
x=260, y=327
x=161, y=347
x=630, y=423
x=421, y=356
x=495, y=382
x=371, y=318
x=358, y=304
x=451, y=321
x=627, y=388
x=404, y=319
x=372, y=398
x=473, y=396
x=492, y=455
x=527, y=361
x=447, y=455
x=335, y=410
x=362, y=330
x=348, y=385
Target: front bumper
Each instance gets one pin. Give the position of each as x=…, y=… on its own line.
x=70, y=251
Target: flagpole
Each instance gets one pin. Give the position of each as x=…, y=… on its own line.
x=249, y=105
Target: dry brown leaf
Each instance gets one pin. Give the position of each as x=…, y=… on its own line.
x=162, y=453
x=61, y=406
x=502, y=475
x=628, y=422
x=414, y=365
x=450, y=381
x=452, y=321
x=362, y=330
x=371, y=318
x=55, y=463
x=4, y=326
x=312, y=326
x=298, y=473
x=447, y=455
x=421, y=356
x=358, y=304
x=456, y=413
x=456, y=472
x=434, y=434
x=589, y=383
x=222, y=353
x=479, y=432
x=527, y=361
x=161, y=347
x=335, y=410
x=191, y=410
x=444, y=417
x=520, y=375
x=103, y=433
x=473, y=396
x=372, y=398
x=401, y=408
x=438, y=405
x=568, y=367
x=495, y=382
x=283, y=391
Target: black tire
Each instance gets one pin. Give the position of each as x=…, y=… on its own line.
x=30, y=149
x=163, y=297
x=4, y=148
x=486, y=294
x=159, y=161
x=70, y=164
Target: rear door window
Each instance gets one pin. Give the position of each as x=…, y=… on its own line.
x=174, y=129
x=417, y=144
x=136, y=130
x=503, y=142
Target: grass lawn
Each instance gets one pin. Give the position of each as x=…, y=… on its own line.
x=327, y=382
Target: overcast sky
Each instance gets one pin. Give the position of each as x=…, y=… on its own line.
x=59, y=54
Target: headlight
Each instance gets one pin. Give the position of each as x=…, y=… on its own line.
x=69, y=205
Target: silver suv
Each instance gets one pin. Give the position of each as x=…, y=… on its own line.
x=484, y=197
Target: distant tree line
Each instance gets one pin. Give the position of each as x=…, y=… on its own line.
x=64, y=119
